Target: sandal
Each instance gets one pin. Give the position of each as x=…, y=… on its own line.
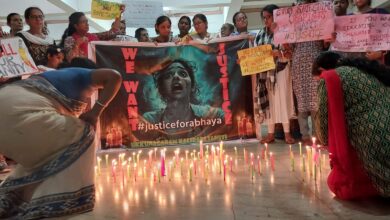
x=269, y=139
x=288, y=139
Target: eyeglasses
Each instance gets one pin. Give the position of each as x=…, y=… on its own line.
x=241, y=19
x=37, y=16
x=198, y=23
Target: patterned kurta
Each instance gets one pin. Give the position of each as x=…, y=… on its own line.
x=304, y=85
x=367, y=112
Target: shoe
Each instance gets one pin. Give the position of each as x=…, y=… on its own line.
x=306, y=142
x=269, y=139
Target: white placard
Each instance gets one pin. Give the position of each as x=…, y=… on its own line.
x=142, y=13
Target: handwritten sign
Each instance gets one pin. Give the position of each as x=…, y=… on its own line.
x=15, y=60
x=361, y=33
x=105, y=10
x=306, y=22
x=142, y=13
x=256, y=60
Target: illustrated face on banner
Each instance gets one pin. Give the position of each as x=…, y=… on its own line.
x=174, y=83
x=175, y=94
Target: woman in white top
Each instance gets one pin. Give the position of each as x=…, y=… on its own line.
x=201, y=25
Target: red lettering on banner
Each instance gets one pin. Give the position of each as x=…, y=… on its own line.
x=131, y=100
x=129, y=66
x=132, y=112
x=222, y=63
x=129, y=53
x=131, y=86
x=133, y=122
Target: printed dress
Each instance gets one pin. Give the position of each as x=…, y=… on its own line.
x=304, y=85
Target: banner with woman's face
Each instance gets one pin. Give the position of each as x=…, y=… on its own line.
x=175, y=94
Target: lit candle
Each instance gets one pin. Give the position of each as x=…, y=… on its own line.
x=253, y=170
x=113, y=164
x=235, y=151
x=300, y=149
x=272, y=161
x=201, y=149
x=231, y=164
x=195, y=167
x=245, y=158
x=292, y=161
x=159, y=173
x=155, y=153
x=259, y=164
x=190, y=172
x=224, y=171
x=134, y=157
x=162, y=165
x=314, y=141
x=99, y=160
x=221, y=148
x=303, y=164
x=128, y=171
x=181, y=167
x=135, y=172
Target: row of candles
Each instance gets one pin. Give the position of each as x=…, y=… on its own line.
x=207, y=161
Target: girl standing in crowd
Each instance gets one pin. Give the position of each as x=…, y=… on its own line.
x=142, y=35
x=163, y=29
x=275, y=87
x=240, y=21
x=201, y=26
x=36, y=41
x=15, y=22
x=304, y=85
x=184, y=26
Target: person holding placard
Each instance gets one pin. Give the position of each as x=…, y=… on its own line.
x=15, y=22
x=275, y=87
x=354, y=121
x=304, y=85
x=76, y=37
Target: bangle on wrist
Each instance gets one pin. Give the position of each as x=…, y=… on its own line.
x=100, y=104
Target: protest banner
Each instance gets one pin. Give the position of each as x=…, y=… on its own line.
x=256, y=60
x=15, y=60
x=142, y=13
x=105, y=10
x=174, y=94
x=305, y=22
x=361, y=33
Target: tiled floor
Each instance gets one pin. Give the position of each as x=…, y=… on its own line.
x=278, y=194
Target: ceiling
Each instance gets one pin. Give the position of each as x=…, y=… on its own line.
x=220, y=11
